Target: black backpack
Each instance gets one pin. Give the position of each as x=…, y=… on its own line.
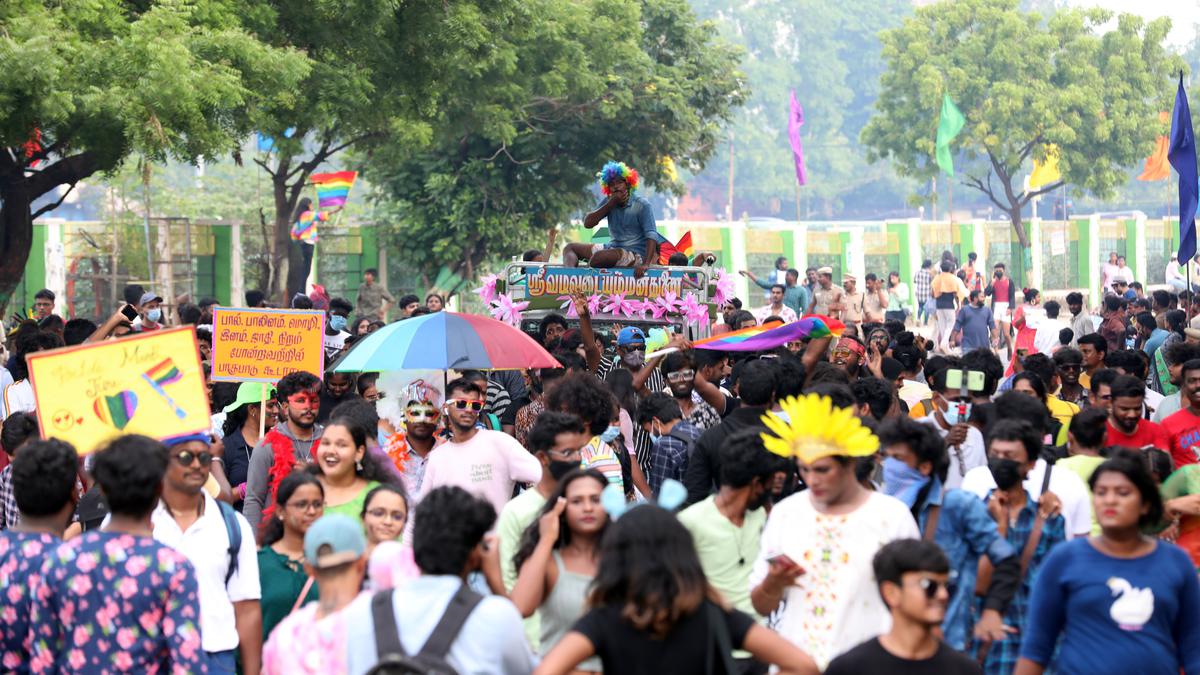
x=431, y=660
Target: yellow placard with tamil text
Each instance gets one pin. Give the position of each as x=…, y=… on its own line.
x=263, y=345
x=149, y=383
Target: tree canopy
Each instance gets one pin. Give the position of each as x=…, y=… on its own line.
x=541, y=95
x=101, y=80
x=1024, y=83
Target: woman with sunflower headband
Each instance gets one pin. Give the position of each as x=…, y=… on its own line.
x=818, y=545
x=630, y=224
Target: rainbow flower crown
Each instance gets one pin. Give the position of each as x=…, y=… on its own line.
x=815, y=429
x=614, y=170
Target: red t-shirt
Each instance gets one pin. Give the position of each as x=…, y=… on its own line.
x=1002, y=291
x=1147, y=434
x=1183, y=430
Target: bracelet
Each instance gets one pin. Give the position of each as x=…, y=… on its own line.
x=218, y=459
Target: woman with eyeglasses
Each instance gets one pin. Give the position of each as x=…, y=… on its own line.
x=345, y=468
x=1119, y=602
x=285, y=586
x=384, y=515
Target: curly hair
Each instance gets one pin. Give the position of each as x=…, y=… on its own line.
x=584, y=395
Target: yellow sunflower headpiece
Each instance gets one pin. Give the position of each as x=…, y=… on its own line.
x=816, y=429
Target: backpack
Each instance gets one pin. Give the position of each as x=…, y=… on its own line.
x=234, y=531
x=431, y=660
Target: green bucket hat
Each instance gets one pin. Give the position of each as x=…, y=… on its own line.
x=250, y=392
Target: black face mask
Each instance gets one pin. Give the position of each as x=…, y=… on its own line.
x=1007, y=472
x=560, y=468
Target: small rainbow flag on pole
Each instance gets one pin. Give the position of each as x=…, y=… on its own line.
x=159, y=377
x=760, y=338
x=333, y=188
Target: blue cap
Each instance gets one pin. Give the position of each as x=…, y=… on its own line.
x=630, y=335
x=334, y=540
x=187, y=438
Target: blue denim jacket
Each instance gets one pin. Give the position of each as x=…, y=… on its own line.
x=965, y=531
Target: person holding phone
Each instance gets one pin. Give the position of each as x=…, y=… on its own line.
x=817, y=546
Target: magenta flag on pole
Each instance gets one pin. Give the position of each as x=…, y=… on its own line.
x=795, y=121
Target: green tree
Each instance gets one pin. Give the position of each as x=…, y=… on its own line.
x=1024, y=83
x=830, y=54
x=104, y=79
x=545, y=94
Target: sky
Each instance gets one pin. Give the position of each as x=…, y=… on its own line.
x=1184, y=14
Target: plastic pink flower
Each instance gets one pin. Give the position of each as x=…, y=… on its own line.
x=487, y=292
x=504, y=309
x=656, y=310
x=725, y=290
x=668, y=302
x=594, y=304
x=694, y=311
x=617, y=304
x=567, y=307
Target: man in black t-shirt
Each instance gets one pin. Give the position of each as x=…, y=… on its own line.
x=912, y=576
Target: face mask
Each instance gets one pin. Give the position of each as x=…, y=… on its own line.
x=953, y=417
x=655, y=436
x=154, y=315
x=337, y=322
x=634, y=359
x=559, y=468
x=1007, y=472
x=381, y=438
x=902, y=481
x=610, y=434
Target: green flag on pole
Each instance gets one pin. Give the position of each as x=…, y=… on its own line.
x=950, y=123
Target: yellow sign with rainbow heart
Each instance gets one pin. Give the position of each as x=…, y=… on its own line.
x=147, y=384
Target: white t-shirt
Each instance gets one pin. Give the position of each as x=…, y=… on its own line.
x=1070, y=489
x=17, y=397
x=972, y=453
x=1153, y=399
x=835, y=605
x=206, y=546
x=1173, y=272
x=487, y=466
x=333, y=345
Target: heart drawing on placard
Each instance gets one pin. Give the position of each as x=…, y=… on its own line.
x=116, y=410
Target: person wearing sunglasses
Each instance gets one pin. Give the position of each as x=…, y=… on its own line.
x=486, y=463
x=219, y=543
x=913, y=578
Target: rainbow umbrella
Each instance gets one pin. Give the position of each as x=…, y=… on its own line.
x=445, y=340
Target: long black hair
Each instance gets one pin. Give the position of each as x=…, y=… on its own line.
x=533, y=534
x=272, y=528
x=303, y=205
x=1133, y=465
x=650, y=570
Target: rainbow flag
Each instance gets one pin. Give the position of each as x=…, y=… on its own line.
x=333, y=188
x=164, y=373
x=760, y=338
x=666, y=248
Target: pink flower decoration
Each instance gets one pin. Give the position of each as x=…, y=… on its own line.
x=668, y=302
x=594, y=304
x=725, y=290
x=656, y=311
x=504, y=309
x=694, y=311
x=567, y=307
x=487, y=292
x=617, y=304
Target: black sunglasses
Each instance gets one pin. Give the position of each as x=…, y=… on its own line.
x=186, y=457
x=931, y=586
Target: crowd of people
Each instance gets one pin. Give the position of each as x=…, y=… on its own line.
x=874, y=502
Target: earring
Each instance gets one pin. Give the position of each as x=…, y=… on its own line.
x=358, y=464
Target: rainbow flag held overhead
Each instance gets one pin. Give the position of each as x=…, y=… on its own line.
x=666, y=248
x=770, y=336
x=333, y=189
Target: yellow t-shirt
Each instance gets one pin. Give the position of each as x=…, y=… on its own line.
x=1062, y=411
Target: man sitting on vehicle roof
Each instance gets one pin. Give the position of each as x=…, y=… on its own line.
x=630, y=224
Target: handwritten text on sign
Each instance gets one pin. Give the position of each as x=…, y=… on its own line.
x=263, y=345
x=144, y=384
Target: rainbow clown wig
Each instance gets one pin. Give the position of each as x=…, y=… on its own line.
x=614, y=170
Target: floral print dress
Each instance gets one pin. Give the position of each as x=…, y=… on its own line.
x=107, y=602
x=21, y=556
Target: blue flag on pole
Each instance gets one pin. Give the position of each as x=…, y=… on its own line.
x=1182, y=155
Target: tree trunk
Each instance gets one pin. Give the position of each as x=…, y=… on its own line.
x=16, y=237
x=281, y=238
x=1018, y=226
